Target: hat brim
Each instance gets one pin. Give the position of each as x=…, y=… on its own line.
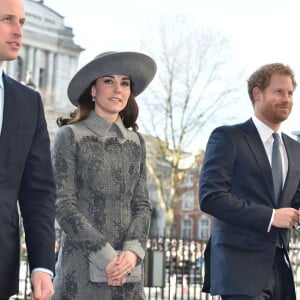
x=139, y=67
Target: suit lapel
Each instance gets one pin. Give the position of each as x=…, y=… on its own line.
x=258, y=150
x=292, y=155
x=10, y=114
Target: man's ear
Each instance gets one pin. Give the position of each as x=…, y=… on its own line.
x=256, y=94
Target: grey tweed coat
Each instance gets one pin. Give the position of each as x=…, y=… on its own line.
x=102, y=205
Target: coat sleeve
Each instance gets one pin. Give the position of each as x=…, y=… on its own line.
x=85, y=236
x=137, y=235
x=37, y=194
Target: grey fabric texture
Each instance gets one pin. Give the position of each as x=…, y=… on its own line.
x=102, y=205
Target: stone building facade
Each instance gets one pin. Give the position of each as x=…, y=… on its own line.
x=48, y=58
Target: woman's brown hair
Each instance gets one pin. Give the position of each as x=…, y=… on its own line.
x=86, y=104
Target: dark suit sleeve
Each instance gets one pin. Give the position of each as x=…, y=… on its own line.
x=37, y=193
x=227, y=185
x=296, y=199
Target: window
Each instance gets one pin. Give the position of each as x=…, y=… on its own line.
x=187, y=227
x=189, y=180
x=188, y=201
x=204, y=228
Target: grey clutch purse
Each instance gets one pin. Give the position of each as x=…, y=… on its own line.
x=97, y=275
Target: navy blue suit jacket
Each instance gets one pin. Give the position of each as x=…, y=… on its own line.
x=25, y=176
x=236, y=187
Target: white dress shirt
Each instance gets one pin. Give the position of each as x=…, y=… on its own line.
x=267, y=139
x=1, y=98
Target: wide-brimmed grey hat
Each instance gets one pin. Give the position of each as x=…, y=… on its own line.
x=139, y=67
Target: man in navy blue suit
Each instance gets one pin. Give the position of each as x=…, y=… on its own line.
x=25, y=171
x=247, y=254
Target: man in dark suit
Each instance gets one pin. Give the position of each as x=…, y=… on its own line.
x=25, y=171
x=246, y=257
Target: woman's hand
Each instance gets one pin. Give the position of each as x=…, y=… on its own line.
x=120, y=267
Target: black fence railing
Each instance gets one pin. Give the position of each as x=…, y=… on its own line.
x=174, y=269
x=182, y=271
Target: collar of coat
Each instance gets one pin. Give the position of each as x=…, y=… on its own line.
x=102, y=127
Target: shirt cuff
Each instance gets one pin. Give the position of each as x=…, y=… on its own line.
x=43, y=270
x=271, y=221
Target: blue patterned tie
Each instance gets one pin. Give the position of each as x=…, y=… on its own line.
x=276, y=167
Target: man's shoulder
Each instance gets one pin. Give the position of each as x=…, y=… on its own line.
x=238, y=127
x=18, y=86
x=290, y=140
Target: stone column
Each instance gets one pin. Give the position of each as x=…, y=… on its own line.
x=30, y=61
x=54, y=79
x=49, y=76
x=10, y=68
x=24, y=57
x=36, y=68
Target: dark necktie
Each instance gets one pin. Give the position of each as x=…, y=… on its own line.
x=276, y=167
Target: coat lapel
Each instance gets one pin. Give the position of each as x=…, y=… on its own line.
x=258, y=150
x=10, y=112
x=292, y=173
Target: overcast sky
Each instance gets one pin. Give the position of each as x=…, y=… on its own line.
x=261, y=31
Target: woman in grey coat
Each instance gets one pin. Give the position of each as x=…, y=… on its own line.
x=99, y=163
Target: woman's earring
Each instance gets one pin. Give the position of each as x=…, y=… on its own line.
x=93, y=98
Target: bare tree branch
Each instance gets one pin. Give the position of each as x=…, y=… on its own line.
x=191, y=85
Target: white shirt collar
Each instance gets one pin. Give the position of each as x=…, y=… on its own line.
x=1, y=97
x=1, y=77
x=265, y=132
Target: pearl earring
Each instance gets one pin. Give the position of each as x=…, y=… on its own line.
x=93, y=98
